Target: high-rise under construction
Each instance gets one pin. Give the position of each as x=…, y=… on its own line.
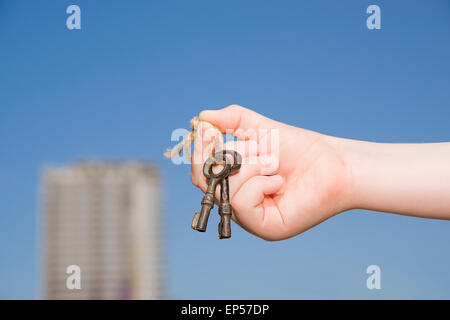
x=105, y=219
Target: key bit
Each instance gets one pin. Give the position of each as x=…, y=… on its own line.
x=195, y=220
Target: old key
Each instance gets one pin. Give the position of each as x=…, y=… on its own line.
x=225, y=209
x=201, y=218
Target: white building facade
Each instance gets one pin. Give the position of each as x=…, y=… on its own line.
x=106, y=219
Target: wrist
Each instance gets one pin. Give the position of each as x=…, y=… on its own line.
x=351, y=154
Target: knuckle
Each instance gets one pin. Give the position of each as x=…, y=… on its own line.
x=234, y=107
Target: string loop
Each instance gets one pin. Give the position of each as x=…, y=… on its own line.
x=196, y=125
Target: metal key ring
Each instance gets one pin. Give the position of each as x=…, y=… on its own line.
x=237, y=160
x=208, y=166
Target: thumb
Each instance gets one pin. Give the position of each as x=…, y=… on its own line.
x=241, y=122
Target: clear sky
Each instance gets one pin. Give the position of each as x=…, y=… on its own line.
x=139, y=69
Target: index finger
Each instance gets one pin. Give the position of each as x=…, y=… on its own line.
x=241, y=122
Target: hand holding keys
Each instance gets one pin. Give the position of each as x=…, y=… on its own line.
x=201, y=218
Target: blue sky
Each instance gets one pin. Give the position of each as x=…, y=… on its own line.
x=139, y=69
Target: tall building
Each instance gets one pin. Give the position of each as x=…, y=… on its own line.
x=104, y=218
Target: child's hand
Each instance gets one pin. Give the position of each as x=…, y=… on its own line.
x=292, y=183
x=284, y=187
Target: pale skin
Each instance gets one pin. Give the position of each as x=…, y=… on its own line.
x=278, y=194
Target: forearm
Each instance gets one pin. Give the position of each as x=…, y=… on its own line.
x=409, y=179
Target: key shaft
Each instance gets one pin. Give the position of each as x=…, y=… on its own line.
x=207, y=205
x=225, y=210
